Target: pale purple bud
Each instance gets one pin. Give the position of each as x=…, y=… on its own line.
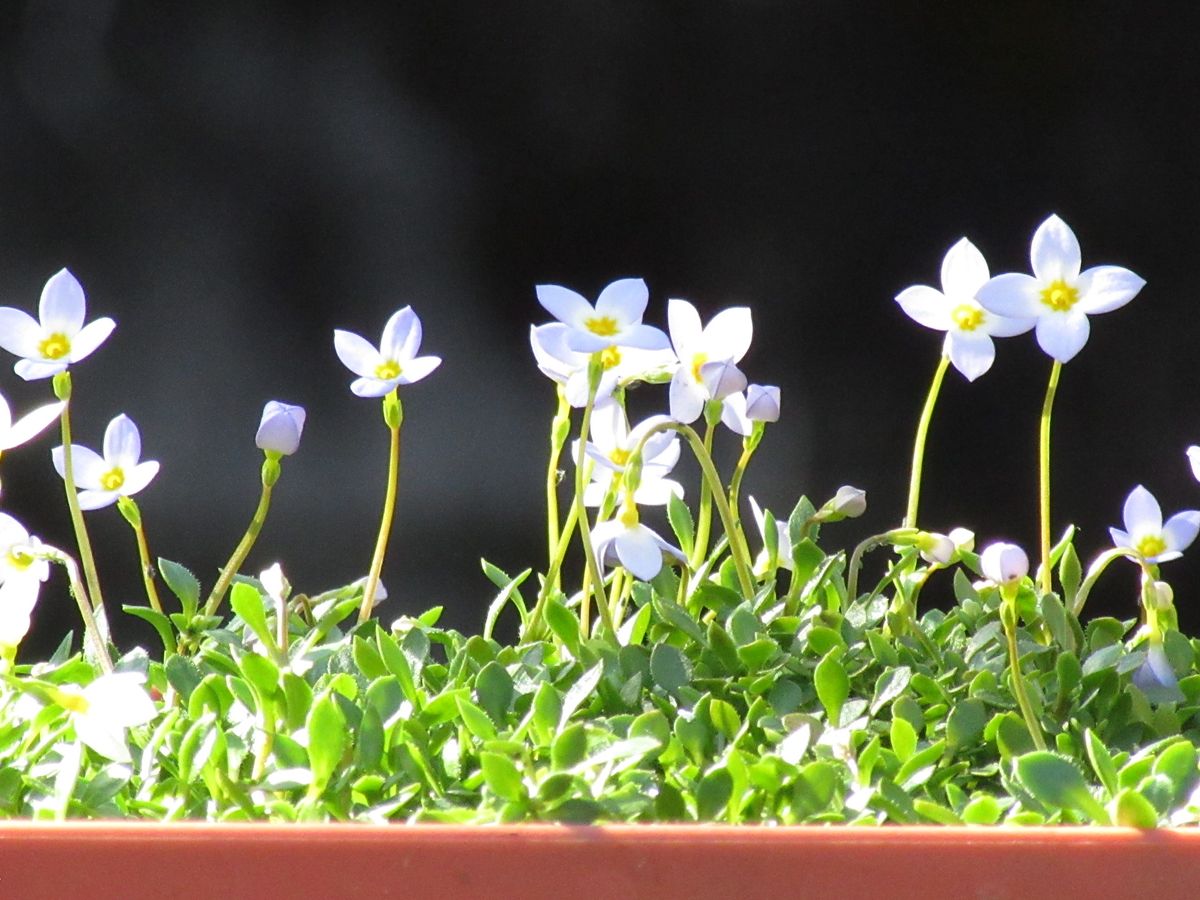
x=762, y=403
x=280, y=428
x=1004, y=563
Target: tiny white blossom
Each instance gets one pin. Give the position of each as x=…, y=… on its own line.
x=625, y=541
x=118, y=473
x=936, y=548
x=616, y=319
x=969, y=327
x=611, y=448
x=1003, y=563
x=568, y=367
x=725, y=339
x=395, y=363
x=103, y=709
x=57, y=338
x=1145, y=534
x=1058, y=295
x=280, y=428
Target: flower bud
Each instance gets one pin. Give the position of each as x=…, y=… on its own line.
x=936, y=548
x=849, y=502
x=722, y=378
x=280, y=428
x=964, y=539
x=1004, y=563
x=1161, y=595
x=762, y=403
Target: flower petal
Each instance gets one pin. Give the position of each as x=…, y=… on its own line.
x=1193, y=455
x=138, y=477
x=971, y=352
x=1054, y=252
x=964, y=271
x=372, y=387
x=1105, y=288
x=122, y=442
x=687, y=398
x=30, y=425
x=1014, y=295
x=20, y=333
x=729, y=333
x=1121, y=538
x=32, y=371
x=62, y=306
x=684, y=324
x=1003, y=326
x=97, y=499
x=925, y=306
x=1062, y=335
x=1142, y=514
x=657, y=491
x=564, y=304
x=94, y=334
x=733, y=415
x=1181, y=529
x=396, y=333
x=356, y=353
x=639, y=552
x=86, y=464
x=416, y=369
x=643, y=337
x=625, y=300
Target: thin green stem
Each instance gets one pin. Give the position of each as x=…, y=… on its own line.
x=133, y=515
x=704, y=515
x=559, y=429
x=593, y=574
x=749, y=445
x=1009, y=619
x=1044, y=473
x=389, y=510
x=90, y=626
x=918, y=458
x=240, y=552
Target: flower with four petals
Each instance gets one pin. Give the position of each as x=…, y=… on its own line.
x=381, y=371
x=118, y=473
x=1145, y=535
x=57, y=338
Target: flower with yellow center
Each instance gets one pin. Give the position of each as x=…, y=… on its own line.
x=1146, y=537
x=102, y=711
x=22, y=571
x=57, y=338
x=395, y=362
x=627, y=542
x=615, y=320
x=117, y=473
x=703, y=351
x=620, y=365
x=969, y=327
x=611, y=447
x=1058, y=295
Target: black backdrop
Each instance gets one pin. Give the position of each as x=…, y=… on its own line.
x=232, y=183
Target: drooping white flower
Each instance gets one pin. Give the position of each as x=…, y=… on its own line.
x=1003, y=563
x=57, y=338
x=936, y=548
x=1058, y=295
x=118, y=473
x=625, y=541
x=1156, y=678
x=276, y=585
x=969, y=327
x=611, y=447
x=616, y=319
x=1145, y=534
x=395, y=363
x=725, y=339
x=568, y=367
x=1193, y=455
x=104, y=708
x=21, y=577
x=280, y=428
x=783, y=544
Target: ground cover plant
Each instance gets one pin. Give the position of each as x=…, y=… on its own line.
x=713, y=662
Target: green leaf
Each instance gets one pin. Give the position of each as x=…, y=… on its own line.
x=832, y=684
x=66, y=776
x=983, y=809
x=494, y=691
x=889, y=686
x=935, y=812
x=502, y=777
x=814, y=789
x=919, y=767
x=183, y=584
x=669, y=668
x=633, y=630
x=580, y=691
x=569, y=748
x=161, y=624
x=327, y=740
x=903, y=738
x=1054, y=614
x=475, y=719
x=246, y=601
x=261, y=673
x=1102, y=761
x=563, y=623
x=966, y=722
x=1134, y=811
x=680, y=518
x=678, y=617
x=1058, y=784
x=713, y=794
x=806, y=556
x=1178, y=764
x=1070, y=574
x=183, y=674
x=724, y=718
x=368, y=658
x=509, y=591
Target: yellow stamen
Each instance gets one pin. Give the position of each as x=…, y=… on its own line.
x=697, y=361
x=18, y=559
x=604, y=326
x=56, y=346
x=73, y=702
x=967, y=316
x=619, y=456
x=610, y=357
x=1060, y=296
x=112, y=479
x=386, y=371
x=1151, y=545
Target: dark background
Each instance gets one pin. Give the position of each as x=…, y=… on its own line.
x=231, y=184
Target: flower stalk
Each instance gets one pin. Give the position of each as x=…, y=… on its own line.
x=1044, y=475
x=270, y=474
x=129, y=510
x=918, y=458
x=393, y=416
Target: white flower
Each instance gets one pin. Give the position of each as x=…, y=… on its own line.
x=568, y=367
x=725, y=339
x=60, y=338
x=783, y=545
x=611, y=447
x=394, y=363
x=740, y=411
x=18, y=597
x=963, y=538
x=280, y=428
x=1058, y=295
x=1193, y=455
x=969, y=327
x=105, y=708
x=625, y=541
x=616, y=319
x=276, y=585
x=936, y=548
x=1145, y=534
x=116, y=474
x=1003, y=563
x=26, y=428
x=848, y=502
x=21, y=577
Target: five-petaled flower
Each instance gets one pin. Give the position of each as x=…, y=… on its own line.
x=103, y=709
x=57, y=338
x=280, y=428
x=118, y=473
x=969, y=327
x=1058, y=294
x=1146, y=536
x=380, y=371
x=711, y=350
x=615, y=320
